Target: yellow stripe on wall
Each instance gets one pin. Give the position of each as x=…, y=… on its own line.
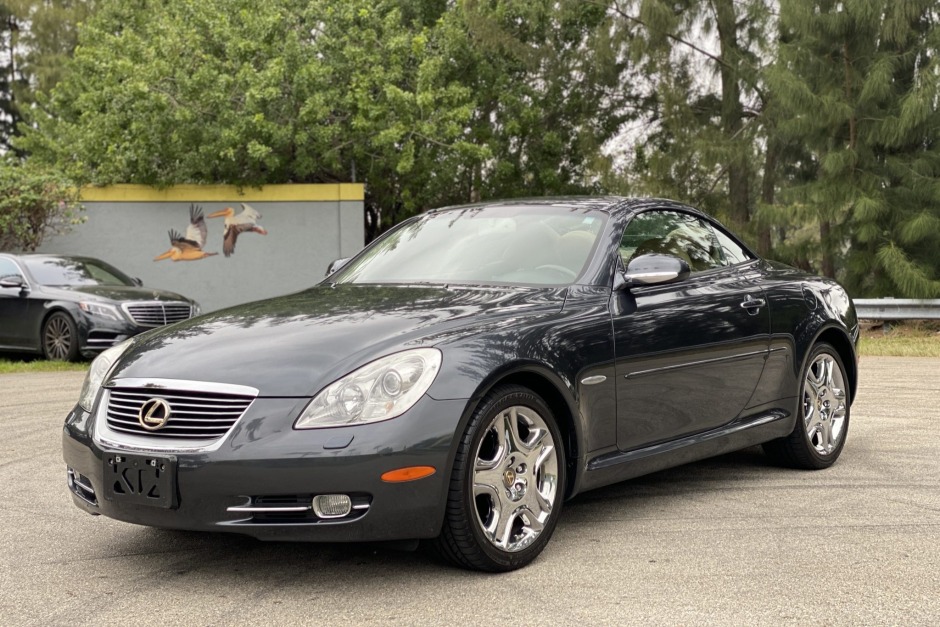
x=225, y=193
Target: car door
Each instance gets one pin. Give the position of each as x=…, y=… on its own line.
x=689, y=354
x=15, y=307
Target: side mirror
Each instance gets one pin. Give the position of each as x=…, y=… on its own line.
x=137, y=282
x=13, y=281
x=336, y=265
x=654, y=268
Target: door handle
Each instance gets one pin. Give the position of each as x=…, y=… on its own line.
x=753, y=303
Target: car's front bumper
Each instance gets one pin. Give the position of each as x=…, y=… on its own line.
x=96, y=333
x=264, y=460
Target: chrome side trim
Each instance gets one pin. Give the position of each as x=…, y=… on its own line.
x=689, y=364
x=599, y=378
x=620, y=457
x=83, y=485
x=251, y=509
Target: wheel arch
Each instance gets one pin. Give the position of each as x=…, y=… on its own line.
x=838, y=339
x=52, y=308
x=556, y=395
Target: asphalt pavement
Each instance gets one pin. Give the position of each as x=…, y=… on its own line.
x=729, y=541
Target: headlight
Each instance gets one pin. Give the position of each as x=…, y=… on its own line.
x=101, y=309
x=196, y=309
x=386, y=388
x=99, y=369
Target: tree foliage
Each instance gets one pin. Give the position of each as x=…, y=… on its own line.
x=811, y=127
x=699, y=65
x=37, y=38
x=33, y=204
x=427, y=103
x=857, y=83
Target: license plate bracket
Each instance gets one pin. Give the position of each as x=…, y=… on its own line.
x=140, y=479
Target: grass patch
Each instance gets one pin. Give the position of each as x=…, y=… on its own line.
x=15, y=365
x=909, y=339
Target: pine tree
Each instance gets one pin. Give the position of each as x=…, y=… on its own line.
x=37, y=37
x=9, y=114
x=857, y=84
x=705, y=141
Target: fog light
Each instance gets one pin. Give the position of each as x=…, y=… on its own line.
x=331, y=505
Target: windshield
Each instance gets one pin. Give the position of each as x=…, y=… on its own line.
x=505, y=245
x=74, y=271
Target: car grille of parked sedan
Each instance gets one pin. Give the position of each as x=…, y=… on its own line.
x=156, y=314
x=193, y=415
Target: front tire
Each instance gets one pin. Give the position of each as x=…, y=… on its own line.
x=823, y=422
x=507, y=484
x=59, y=338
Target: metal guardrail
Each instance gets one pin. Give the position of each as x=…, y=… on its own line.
x=897, y=309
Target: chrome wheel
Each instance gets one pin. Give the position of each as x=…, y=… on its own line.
x=824, y=404
x=59, y=338
x=825, y=399
x=515, y=478
x=507, y=483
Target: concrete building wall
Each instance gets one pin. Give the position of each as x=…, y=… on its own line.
x=307, y=227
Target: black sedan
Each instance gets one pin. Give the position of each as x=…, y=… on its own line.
x=63, y=307
x=466, y=374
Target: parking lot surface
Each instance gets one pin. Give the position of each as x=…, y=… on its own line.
x=733, y=540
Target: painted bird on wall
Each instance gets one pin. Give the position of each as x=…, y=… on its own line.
x=188, y=247
x=246, y=221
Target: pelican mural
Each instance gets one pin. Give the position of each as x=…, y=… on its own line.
x=246, y=221
x=188, y=247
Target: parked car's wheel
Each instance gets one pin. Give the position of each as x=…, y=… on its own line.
x=823, y=423
x=507, y=484
x=60, y=338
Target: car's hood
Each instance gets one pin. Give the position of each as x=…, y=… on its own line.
x=296, y=344
x=112, y=292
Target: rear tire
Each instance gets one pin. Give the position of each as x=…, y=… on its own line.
x=822, y=425
x=59, y=338
x=507, y=484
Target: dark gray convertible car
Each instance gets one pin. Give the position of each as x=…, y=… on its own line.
x=466, y=374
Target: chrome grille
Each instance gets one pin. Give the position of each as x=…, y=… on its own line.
x=157, y=314
x=194, y=415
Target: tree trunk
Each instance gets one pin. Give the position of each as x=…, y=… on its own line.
x=731, y=111
x=768, y=188
x=828, y=264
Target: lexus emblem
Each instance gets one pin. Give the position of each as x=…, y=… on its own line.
x=153, y=414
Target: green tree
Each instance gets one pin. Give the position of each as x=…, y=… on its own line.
x=247, y=93
x=37, y=37
x=700, y=65
x=430, y=103
x=9, y=76
x=548, y=90
x=857, y=84
x=34, y=203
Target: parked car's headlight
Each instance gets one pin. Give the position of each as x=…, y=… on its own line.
x=101, y=309
x=196, y=309
x=99, y=369
x=383, y=389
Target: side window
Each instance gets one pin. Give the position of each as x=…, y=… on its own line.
x=732, y=251
x=672, y=233
x=9, y=270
